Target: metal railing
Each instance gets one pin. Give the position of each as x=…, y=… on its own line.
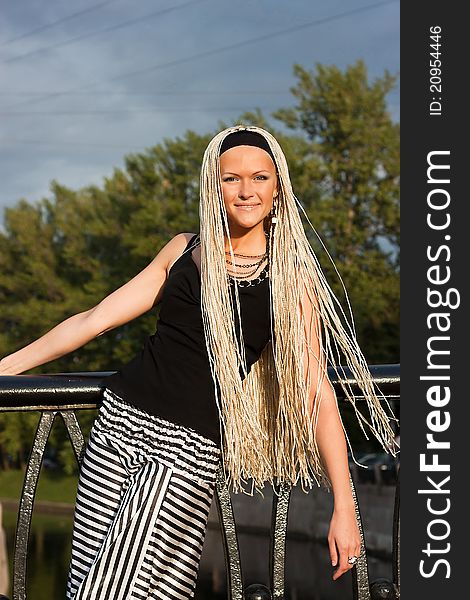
x=64, y=394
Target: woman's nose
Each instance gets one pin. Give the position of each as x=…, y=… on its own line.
x=245, y=190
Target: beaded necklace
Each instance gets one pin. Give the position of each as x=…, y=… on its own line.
x=241, y=279
x=249, y=282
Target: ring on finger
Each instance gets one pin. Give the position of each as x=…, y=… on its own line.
x=352, y=560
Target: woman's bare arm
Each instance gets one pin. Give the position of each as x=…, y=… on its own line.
x=134, y=298
x=329, y=431
x=343, y=537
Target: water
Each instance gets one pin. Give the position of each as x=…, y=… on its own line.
x=308, y=572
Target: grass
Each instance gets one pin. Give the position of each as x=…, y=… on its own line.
x=52, y=486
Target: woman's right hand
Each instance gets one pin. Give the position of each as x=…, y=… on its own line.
x=4, y=369
x=68, y=335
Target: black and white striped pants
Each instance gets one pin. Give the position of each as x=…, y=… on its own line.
x=143, y=499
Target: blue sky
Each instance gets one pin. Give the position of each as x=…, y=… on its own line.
x=91, y=81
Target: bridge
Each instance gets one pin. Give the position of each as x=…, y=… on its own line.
x=66, y=393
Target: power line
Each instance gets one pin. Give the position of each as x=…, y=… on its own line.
x=64, y=143
x=58, y=22
x=159, y=93
x=85, y=36
x=131, y=111
x=242, y=44
x=207, y=53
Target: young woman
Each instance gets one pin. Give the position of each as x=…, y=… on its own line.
x=204, y=389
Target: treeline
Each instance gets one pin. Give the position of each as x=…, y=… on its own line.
x=63, y=254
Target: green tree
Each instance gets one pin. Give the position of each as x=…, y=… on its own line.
x=349, y=188
x=63, y=255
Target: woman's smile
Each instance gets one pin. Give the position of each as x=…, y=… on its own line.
x=247, y=206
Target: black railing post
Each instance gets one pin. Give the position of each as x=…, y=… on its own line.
x=65, y=393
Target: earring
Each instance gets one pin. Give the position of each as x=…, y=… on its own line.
x=273, y=212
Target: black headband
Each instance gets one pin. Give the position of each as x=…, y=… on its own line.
x=246, y=138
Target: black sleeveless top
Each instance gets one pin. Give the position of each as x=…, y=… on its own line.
x=170, y=377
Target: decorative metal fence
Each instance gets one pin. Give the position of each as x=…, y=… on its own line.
x=66, y=393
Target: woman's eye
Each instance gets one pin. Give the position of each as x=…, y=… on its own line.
x=231, y=178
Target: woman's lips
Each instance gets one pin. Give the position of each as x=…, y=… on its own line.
x=246, y=206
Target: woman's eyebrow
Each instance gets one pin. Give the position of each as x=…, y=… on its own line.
x=255, y=173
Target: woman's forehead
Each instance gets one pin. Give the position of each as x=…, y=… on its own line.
x=246, y=157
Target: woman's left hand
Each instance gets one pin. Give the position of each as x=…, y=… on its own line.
x=344, y=539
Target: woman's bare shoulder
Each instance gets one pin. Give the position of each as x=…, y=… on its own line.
x=176, y=247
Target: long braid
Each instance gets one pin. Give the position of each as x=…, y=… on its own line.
x=268, y=420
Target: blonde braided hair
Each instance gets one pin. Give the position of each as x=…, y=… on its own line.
x=268, y=420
